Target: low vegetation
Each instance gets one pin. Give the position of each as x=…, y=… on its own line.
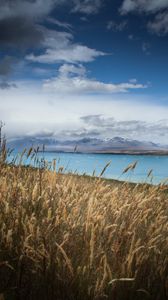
x=70, y=237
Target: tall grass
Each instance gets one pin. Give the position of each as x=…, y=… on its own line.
x=71, y=237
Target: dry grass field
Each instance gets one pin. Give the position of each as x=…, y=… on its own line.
x=70, y=237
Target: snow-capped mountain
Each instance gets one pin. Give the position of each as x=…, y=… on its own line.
x=115, y=144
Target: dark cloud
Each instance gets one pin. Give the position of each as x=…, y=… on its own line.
x=32, y=9
x=37, y=9
x=6, y=65
x=20, y=19
x=6, y=85
x=20, y=30
x=19, y=33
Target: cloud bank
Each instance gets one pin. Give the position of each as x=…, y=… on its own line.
x=27, y=111
x=73, y=79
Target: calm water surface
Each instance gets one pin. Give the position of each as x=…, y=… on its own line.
x=88, y=163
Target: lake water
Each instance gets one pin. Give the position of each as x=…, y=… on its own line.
x=88, y=163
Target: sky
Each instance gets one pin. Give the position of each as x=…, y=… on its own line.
x=71, y=69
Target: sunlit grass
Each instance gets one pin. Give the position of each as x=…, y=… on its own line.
x=77, y=237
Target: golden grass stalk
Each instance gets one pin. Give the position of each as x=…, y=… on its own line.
x=83, y=238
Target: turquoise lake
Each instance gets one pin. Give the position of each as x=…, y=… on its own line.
x=88, y=163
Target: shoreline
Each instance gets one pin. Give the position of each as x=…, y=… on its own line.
x=152, y=153
x=89, y=178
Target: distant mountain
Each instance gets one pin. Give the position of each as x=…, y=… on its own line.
x=116, y=144
x=28, y=142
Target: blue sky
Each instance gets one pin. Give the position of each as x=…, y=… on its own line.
x=64, y=60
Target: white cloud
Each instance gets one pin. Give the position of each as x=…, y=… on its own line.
x=133, y=80
x=146, y=48
x=54, y=39
x=143, y=6
x=87, y=6
x=110, y=127
x=160, y=24
x=60, y=24
x=44, y=133
x=67, y=69
x=117, y=27
x=29, y=110
x=60, y=48
x=72, y=54
x=73, y=79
